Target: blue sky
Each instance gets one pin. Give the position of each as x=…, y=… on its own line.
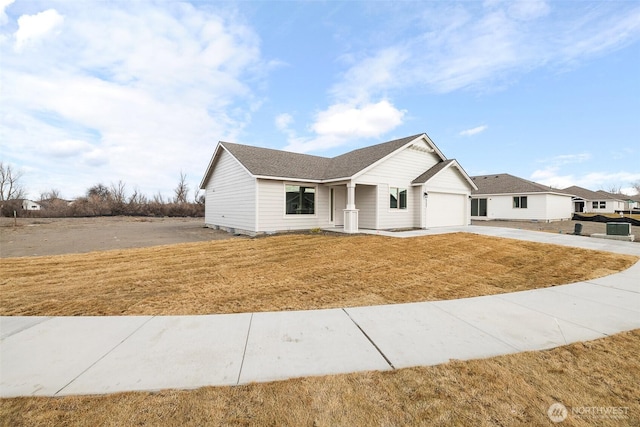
x=97, y=92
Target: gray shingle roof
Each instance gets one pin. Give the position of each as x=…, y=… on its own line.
x=504, y=183
x=587, y=194
x=268, y=162
x=284, y=164
x=613, y=196
x=432, y=171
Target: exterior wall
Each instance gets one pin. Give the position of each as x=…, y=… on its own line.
x=230, y=200
x=610, y=206
x=29, y=205
x=394, y=218
x=559, y=208
x=271, y=208
x=540, y=207
x=366, y=202
x=397, y=171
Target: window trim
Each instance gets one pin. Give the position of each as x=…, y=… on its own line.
x=399, y=207
x=476, y=201
x=300, y=215
x=518, y=202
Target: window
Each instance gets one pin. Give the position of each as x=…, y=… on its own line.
x=520, y=202
x=300, y=200
x=397, y=198
x=594, y=205
x=478, y=207
x=603, y=205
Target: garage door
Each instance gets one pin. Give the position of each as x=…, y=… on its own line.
x=444, y=209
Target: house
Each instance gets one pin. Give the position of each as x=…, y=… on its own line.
x=587, y=201
x=29, y=205
x=404, y=183
x=507, y=197
x=621, y=202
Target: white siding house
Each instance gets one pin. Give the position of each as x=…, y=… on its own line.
x=598, y=202
x=405, y=183
x=506, y=197
x=30, y=205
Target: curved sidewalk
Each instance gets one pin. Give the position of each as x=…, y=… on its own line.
x=54, y=356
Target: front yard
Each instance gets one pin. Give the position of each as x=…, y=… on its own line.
x=289, y=272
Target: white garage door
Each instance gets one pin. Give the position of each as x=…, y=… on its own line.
x=444, y=209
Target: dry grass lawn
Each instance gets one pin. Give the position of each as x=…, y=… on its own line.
x=289, y=272
x=513, y=390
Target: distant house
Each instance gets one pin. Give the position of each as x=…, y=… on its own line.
x=587, y=201
x=405, y=183
x=507, y=197
x=30, y=205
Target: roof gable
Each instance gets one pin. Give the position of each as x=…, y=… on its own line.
x=356, y=161
x=441, y=166
x=504, y=183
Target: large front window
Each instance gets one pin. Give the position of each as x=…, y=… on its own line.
x=300, y=200
x=397, y=198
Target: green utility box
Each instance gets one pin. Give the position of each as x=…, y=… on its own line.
x=618, y=229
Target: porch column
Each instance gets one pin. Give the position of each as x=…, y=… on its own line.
x=351, y=213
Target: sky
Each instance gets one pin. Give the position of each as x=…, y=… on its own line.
x=140, y=92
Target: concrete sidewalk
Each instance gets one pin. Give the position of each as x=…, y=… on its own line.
x=54, y=356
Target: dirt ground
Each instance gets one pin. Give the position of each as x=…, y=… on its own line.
x=56, y=236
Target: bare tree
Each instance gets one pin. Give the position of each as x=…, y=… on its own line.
x=199, y=198
x=10, y=187
x=99, y=191
x=615, y=189
x=182, y=190
x=636, y=186
x=118, y=197
x=50, y=195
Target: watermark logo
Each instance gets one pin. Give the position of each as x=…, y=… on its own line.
x=557, y=412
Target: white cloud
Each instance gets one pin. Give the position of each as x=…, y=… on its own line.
x=67, y=148
x=474, y=131
x=368, y=75
x=34, y=27
x=348, y=120
x=528, y=9
x=458, y=46
x=565, y=159
x=552, y=176
x=345, y=122
x=131, y=91
x=283, y=121
x=4, y=4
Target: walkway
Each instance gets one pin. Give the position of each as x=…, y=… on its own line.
x=55, y=356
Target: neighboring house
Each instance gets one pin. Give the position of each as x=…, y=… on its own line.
x=587, y=201
x=507, y=197
x=29, y=205
x=405, y=183
x=621, y=202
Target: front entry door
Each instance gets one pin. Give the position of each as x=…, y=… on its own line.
x=339, y=205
